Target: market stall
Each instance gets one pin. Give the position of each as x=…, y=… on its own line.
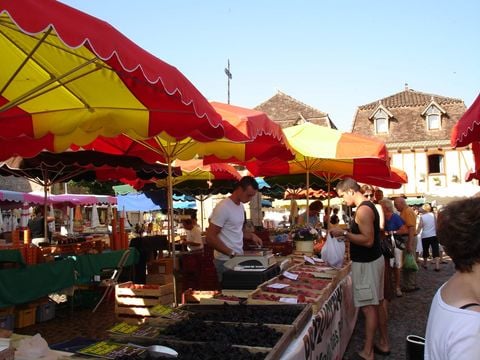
x=28, y=283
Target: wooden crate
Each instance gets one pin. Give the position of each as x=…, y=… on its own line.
x=25, y=317
x=134, y=301
x=159, y=279
x=160, y=266
x=130, y=289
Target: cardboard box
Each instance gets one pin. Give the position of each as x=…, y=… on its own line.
x=160, y=266
x=25, y=317
x=159, y=279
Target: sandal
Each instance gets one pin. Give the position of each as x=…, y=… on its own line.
x=379, y=351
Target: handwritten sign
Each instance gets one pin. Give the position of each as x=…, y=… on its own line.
x=277, y=286
x=290, y=275
x=289, y=300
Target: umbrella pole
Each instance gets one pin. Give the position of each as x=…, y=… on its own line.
x=170, y=226
x=45, y=220
x=201, y=209
x=308, y=190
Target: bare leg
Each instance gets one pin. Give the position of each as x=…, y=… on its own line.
x=371, y=322
x=396, y=270
x=383, y=343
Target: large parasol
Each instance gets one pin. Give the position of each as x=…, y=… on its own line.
x=68, y=77
x=467, y=131
x=48, y=168
x=330, y=152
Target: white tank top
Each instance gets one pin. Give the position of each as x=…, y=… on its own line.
x=429, y=228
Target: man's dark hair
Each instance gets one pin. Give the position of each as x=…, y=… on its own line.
x=458, y=230
x=348, y=184
x=245, y=182
x=187, y=222
x=317, y=205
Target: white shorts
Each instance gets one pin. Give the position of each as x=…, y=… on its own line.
x=368, y=279
x=397, y=261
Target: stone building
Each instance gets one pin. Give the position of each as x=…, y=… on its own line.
x=416, y=128
x=288, y=111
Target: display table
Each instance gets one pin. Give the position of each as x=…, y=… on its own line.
x=19, y=286
x=92, y=264
x=327, y=335
x=12, y=256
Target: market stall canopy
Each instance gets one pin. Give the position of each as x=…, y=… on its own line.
x=14, y=199
x=394, y=180
x=248, y=135
x=333, y=153
x=322, y=149
x=467, y=129
x=141, y=202
x=48, y=168
x=68, y=77
x=300, y=193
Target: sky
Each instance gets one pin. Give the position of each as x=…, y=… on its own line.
x=333, y=55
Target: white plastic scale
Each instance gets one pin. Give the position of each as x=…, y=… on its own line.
x=252, y=260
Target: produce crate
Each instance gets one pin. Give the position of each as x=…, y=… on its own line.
x=25, y=317
x=299, y=295
x=7, y=354
x=160, y=266
x=271, y=352
x=159, y=279
x=45, y=311
x=7, y=322
x=295, y=316
x=191, y=296
x=134, y=301
x=7, y=310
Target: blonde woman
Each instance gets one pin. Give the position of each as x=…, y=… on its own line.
x=427, y=227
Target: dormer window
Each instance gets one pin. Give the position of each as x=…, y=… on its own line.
x=433, y=116
x=381, y=126
x=381, y=117
x=380, y=120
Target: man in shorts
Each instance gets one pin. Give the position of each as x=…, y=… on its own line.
x=367, y=261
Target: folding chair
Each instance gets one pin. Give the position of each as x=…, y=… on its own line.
x=113, y=279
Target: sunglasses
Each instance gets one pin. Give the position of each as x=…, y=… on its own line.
x=368, y=196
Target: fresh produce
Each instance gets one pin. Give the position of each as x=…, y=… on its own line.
x=238, y=334
x=285, y=315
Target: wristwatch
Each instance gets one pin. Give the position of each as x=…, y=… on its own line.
x=232, y=254
x=345, y=232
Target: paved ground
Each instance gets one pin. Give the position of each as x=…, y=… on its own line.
x=408, y=314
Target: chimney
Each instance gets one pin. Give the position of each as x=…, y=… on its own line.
x=406, y=86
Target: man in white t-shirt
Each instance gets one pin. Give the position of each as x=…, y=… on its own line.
x=225, y=231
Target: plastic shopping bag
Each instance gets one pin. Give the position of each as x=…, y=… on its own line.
x=409, y=263
x=333, y=251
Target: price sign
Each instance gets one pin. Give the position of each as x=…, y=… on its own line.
x=308, y=259
x=289, y=300
x=290, y=275
x=277, y=286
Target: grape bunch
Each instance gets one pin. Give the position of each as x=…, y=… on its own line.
x=259, y=314
x=238, y=334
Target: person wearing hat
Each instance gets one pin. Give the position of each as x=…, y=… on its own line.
x=427, y=227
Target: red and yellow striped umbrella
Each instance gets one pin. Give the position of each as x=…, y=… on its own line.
x=68, y=77
x=467, y=131
x=329, y=152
